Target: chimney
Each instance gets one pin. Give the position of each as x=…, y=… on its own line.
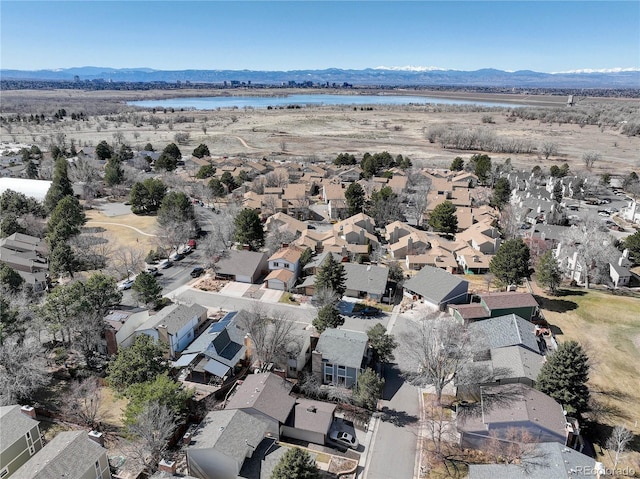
x=96, y=437
x=167, y=465
x=285, y=245
x=29, y=411
x=186, y=439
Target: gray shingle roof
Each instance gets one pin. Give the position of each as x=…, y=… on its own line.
x=503, y=331
x=265, y=392
x=13, y=425
x=549, y=460
x=70, y=455
x=240, y=263
x=343, y=347
x=310, y=415
x=516, y=362
x=366, y=277
x=434, y=284
x=231, y=433
x=174, y=317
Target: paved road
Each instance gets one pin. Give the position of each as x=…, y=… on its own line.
x=392, y=452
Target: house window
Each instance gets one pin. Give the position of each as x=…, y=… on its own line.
x=32, y=450
x=98, y=472
x=328, y=373
x=276, y=265
x=342, y=375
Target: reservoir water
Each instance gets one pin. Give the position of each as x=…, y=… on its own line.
x=215, y=102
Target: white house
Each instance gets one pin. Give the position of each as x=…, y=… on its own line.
x=284, y=267
x=175, y=325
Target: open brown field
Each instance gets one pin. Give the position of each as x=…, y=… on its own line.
x=607, y=327
x=321, y=132
x=126, y=230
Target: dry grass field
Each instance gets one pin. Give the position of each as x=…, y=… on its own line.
x=321, y=132
x=608, y=327
x=126, y=230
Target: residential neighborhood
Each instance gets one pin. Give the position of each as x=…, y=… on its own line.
x=209, y=318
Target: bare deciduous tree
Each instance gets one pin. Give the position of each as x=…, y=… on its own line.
x=440, y=347
x=277, y=237
x=153, y=427
x=95, y=250
x=324, y=296
x=548, y=148
x=22, y=370
x=83, y=402
x=277, y=179
x=594, y=247
x=589, y=158
x=127, y=260
x=271, y=335
x=511, y=218
x=618, y=442
x=174, y=233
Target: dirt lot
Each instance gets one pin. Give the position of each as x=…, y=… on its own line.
x=321, y=132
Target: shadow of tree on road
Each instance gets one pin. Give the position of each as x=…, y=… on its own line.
x=397, y=418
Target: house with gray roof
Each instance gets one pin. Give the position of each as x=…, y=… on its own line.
x=175, y=326
x=340, y=356
x=492, y=305
x=437, y=287
x=19, y=437
x=505, y=407
x=509, y=330
x=242, y=266
x=265, y=395
x=550, y=460
x=365, y=280
x=72, y=455
x=223, y=441
x=309, y=421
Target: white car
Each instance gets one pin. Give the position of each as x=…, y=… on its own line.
x=164, y=264
x=126, y=284
x=344, y=438
x=152, y=270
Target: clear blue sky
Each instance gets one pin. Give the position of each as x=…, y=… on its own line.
x=545, y=36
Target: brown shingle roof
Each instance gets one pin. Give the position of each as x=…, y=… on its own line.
x=509, y=300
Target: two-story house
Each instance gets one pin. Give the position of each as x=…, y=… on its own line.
x=284, y=267
x=340, y=356
x=176, y=326
x=72, y=455
x=19, y=437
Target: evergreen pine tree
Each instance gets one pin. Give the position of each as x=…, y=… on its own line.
x=510, y=265
x=295, y=464
x=564, y=377
x=548, y=273
x=331, y=275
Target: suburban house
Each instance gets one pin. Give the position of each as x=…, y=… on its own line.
x=286, y=222
x=27, y=256
x=482, y=236
x=242, y=266
x=491, y=305
x=437, y=287
x=217, y=352
x=473, y=261
x=72, y=455
x=511, y=364
x=309, y=421
x=339, y=357
x=120, y=328
x=550, y=460
x=175, y=325
x=631, y=212
x=435, y=258
x=223, y=441
x=365, y=280
x=619, y=272
x=298, y=349
x=333, y=196
x=284, y=267
x=20, y=437
x=505, y=407
x=264, y=395
x=509, y=330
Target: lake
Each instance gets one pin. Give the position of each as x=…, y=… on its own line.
x=215, y=102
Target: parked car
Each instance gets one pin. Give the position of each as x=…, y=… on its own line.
x=164, y=264
x=197, y=271
x=176, y=256
x=370, y=311
x=126, y=284
x=152, y=270
x=185, y=250
x=344, y=438
x=192, y=243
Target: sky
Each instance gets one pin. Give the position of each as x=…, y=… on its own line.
x=544, y=36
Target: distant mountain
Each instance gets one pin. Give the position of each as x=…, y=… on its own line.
x=613, y=78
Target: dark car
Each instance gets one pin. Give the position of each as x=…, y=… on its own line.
x=197, y=271
x=370, y=311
